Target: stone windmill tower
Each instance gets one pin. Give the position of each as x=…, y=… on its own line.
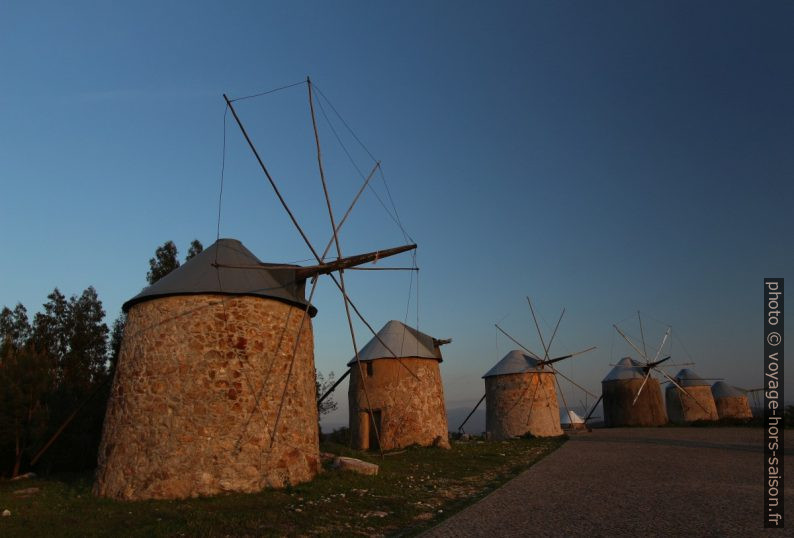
x=215, y=388
x=520, y=398
x=694, y=402
x=520, y=394
x=397, y=384
x=731, y=402
x=631, y=396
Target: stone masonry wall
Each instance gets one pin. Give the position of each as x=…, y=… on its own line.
x=412, y=410
x=619, y=409
x=183, y=420
x=681, y=408
x=733, y=407
x=517, y=404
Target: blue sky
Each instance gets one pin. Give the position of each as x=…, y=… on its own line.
x=603, y=157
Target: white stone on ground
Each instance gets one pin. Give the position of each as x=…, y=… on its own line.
x=355, y=465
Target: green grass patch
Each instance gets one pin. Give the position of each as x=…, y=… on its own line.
x=415, y=489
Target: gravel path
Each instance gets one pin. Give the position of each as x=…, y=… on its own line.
x=635, y=482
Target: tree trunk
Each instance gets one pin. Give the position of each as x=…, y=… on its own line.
x=18, y=458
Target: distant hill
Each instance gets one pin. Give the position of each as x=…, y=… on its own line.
x=332, y=425
x=475, y=425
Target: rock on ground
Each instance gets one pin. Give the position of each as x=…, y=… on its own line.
x=355, y=465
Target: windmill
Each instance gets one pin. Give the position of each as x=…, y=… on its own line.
x=756, y=407
x=520, y=389
x=405, y=395
x=699, y=403
x=632, y=397
x=216, y=371
x=340, y=282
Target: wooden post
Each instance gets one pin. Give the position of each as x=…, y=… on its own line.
x=363, y=430
x=340, y=267
x=269, y=178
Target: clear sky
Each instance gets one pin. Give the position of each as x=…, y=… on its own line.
x=600, y=156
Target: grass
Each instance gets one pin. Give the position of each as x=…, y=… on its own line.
x=414, y=490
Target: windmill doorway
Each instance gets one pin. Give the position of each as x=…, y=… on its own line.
x=375, y=431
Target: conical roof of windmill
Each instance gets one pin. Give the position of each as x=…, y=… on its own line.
x=721, y=389
x=400, y=340
x=571, y=417
x=515, y=362
x=228, y=268
x=688, y=378
x=626, y=368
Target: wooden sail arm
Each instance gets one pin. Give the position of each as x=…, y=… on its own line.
x=460, y=428
x=655, y=364
x=329, y=391
x=304, y=273
x=552, y=361
x=557, y=359
x=632, y=344
x=590, y=414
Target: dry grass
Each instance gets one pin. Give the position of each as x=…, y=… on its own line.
x=414, y=490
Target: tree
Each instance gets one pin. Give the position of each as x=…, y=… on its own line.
x=26, y=375
x=73, y=333
x=322, y=386
x=51, y=327
x=165, y=260
x=49, y=371
x=195, y=248
x=116, y=337
x=14, y=326
x=88, y=343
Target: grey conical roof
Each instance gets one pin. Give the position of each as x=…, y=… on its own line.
x=688, y=378
x=626, y=368
x=570, y=417
x=721, y=389
x=402, y=340
x=515, y=362
x=228, y=268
